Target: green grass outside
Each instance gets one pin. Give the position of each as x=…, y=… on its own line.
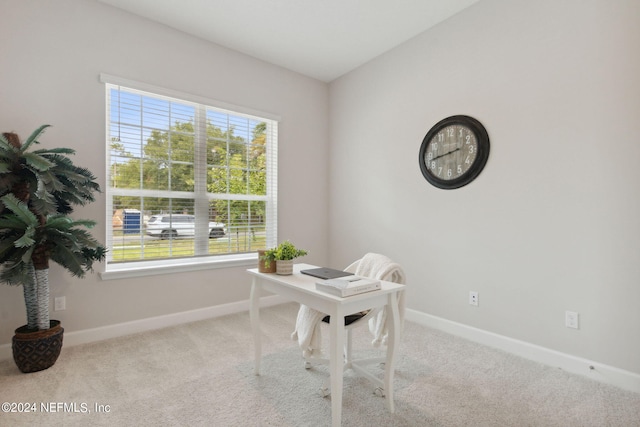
x=134, y=249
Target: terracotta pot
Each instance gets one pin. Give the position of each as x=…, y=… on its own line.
x=284, y=267
x=261, y=266
x=37, y=350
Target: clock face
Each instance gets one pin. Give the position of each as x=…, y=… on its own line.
x=454, y=152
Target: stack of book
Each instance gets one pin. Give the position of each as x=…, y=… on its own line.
x=348, y=285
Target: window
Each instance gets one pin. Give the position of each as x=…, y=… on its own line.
x=188, y=183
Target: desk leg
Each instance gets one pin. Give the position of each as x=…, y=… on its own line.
x=254, y=313
x=336, y=364
x=393, y=319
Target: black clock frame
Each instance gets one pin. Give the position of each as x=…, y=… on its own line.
x=481, y=159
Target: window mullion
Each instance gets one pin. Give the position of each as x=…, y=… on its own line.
x=201, y=202
x=271, y=208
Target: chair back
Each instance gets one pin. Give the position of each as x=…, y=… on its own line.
x=376, y=266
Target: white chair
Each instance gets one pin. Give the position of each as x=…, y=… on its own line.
x=366, y=267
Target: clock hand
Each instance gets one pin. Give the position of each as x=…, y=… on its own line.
x=446, y=154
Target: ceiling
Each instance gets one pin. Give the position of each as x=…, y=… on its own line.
x=323, y=39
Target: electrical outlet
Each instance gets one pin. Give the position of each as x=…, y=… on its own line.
x=473, y=298
x=59, y=303
x=571, y=319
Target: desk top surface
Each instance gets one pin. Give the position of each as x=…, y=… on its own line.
x=305, y=283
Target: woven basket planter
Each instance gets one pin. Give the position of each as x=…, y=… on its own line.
x=262, y=268
x=39, y=350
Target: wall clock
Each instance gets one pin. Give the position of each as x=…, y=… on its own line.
x=454, y=152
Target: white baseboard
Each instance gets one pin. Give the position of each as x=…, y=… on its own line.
x=151, y=323
x=591, y=369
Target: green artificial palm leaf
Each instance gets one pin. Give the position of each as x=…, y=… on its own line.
x=77, y=177
x=68, y=259
x=5, y=245
x=37, y=162
x=26, y=240
x=90, y=255
x=83, y=239
x=6, y=147
x=42, y=207
x=7, y=250
x=65, y=164
x=44, y=202
x=88, y=223
x=15, y=273
x=26, y=256
x=33, y=137
x=72, y=234
x=11, y=222
x=53, y=182
x=98, y=253
x=59, y=222
x=61, y=150
x=62, y=162
x=20, y=209
x=86, y=173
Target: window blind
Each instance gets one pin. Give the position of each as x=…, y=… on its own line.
x=186, y=180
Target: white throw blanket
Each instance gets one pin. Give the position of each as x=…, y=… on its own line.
x=382, y=268
x=307, y=330
x=372, y=265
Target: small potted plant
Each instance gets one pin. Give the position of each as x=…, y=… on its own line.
x=284, y=254
x=267, y=260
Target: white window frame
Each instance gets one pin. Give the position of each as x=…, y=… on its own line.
x=163, y=266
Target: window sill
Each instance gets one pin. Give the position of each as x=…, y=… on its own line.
x=152, y=268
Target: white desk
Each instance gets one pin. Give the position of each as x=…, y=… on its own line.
x=301, y=288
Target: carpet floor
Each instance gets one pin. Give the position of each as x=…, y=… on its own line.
x=201, y=374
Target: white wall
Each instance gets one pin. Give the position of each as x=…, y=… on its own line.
x=552, y=223
x=51, y=55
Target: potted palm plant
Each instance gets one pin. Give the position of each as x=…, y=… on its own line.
x=38, y=189
x=284, y=254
